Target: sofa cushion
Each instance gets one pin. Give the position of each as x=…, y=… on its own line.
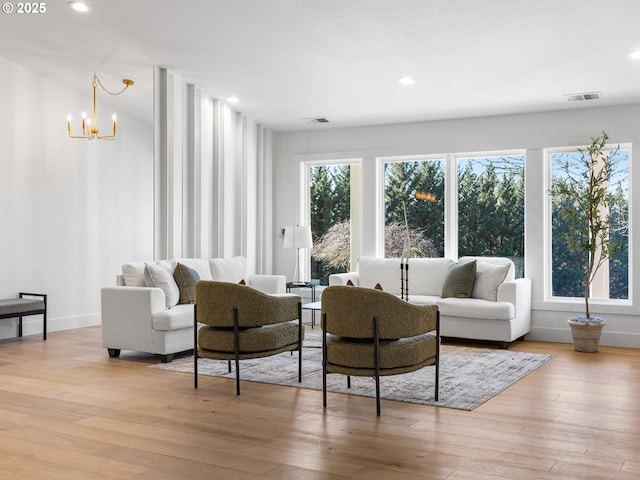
x=231, y=269
x=180, y=316
x=186, y=279
x=423, y=299
x=160, y=275
x=488, y=278
x=460, y=280
x=476, y=308
x=383, y=271
x=133, y=274
x=200, y=265
x=426, y=275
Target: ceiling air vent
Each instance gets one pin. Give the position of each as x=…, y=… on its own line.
x=577, y=97
x=313, y=120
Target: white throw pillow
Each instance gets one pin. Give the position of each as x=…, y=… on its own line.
x=133, y=274
x=159, y=274
x=231, y=269
x=488, y=278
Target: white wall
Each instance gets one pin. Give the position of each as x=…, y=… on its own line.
x=71, y=211
x=532, y=132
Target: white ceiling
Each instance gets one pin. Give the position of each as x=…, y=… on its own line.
x=340, y=59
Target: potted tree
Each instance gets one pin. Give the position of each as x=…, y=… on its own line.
x=583, y=186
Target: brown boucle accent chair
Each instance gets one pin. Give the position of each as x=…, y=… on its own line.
x=240, y=322
x=371, y=333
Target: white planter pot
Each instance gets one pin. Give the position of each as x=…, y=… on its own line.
x=586, y=335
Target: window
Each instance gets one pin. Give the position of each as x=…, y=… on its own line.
x=612, y=280
x=330, y=208
x=491, y=207
x=414, y=191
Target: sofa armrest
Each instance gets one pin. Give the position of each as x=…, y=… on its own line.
x=343, y=278
x=518, y=293
x=127, y=316
x=268, y=284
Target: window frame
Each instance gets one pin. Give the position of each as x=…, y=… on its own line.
x=597, y=305
x=305, y=196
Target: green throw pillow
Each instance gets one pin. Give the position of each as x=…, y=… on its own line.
x=186, y=279
x=460, y=280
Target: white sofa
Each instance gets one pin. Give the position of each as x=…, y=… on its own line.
x=499, y=308
x=139, y=317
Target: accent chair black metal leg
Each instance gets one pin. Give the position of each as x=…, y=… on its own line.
x=324, y=359
x=376, y=351
x=437, y=380
x=195, y=346
x=236, y=347
x=299, y=342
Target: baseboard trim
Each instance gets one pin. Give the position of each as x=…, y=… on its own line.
x=608, y=338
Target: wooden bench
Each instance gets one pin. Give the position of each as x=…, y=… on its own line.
x=22, y=307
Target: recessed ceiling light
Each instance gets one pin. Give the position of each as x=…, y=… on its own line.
x=406, y=80
x=233, y=99
x=79, y=7
x=635, y=55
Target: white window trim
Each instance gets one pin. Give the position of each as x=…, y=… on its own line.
x=597, y=305
x=305, y=198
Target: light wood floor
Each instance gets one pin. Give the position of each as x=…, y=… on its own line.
x=69, y=412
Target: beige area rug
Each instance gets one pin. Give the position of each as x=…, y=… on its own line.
x=469, y=376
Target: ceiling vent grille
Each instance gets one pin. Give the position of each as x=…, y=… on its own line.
x=312, y=120
x=577, y=97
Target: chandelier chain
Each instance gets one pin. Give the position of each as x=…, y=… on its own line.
x=109, y=92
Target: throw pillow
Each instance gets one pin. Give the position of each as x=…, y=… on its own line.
x=488, y=278
x=460, y=280
x=133, y=274
x=158, y=275
x=186, y=279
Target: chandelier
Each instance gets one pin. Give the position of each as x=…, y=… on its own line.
x=89, y=127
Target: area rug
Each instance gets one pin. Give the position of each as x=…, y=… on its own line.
x=469, y=376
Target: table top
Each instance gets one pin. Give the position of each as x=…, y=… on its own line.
x=312, y=306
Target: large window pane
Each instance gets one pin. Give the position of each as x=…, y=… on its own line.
x=330, y=205
x=491, y=207
x=566, y=269
x=414, y=188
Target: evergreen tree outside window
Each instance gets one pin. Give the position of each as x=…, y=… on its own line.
x=566, y=275
x=330, y=206
x=416, y=187
x=491, y=207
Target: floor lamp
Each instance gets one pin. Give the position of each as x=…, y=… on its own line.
x=297, y=237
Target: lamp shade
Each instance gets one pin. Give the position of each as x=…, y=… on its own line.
x=297, y=237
